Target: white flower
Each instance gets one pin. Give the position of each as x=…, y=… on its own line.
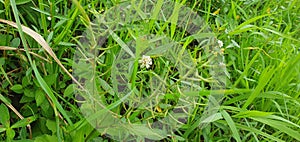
x=49, y=18
x=146, y=61
x=220, y=43
x=221, y=64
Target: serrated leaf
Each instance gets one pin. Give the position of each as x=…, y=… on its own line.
x=18, y=88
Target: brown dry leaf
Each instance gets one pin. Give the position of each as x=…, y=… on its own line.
x=38, y=38
x=13, y=48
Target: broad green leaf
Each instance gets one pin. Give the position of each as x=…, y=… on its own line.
x=51, y=125
x=29, y=93
x=80, y=129
x=5, y=42
x=46, y=111
x=69, y=90
x=2, y=129
x=10, y=134
x=39, y=97
x=26, y=99
x=50, y=79
x=26, y=80
x=15, y=42
x=2, y=61
x=18, y=88
x=4, y=117
x=46, y=138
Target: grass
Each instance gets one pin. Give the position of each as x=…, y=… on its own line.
x=62, y=80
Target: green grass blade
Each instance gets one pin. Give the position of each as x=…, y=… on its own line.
x=281, y=126
x=232, y=126
x=264, y=79
x=248, y=22
x=48, y=91
x=259, y=132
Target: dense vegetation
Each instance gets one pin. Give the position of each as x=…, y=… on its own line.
x=65, y=76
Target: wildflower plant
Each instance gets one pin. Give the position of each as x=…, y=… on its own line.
x=146, y=61
x=154, y=81
x=149, y=70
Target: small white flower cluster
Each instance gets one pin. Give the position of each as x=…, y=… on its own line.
x=220, y=43
x=146, y=61
x=49, y=17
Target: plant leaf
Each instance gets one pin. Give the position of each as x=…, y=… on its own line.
x=4, y=117
x=24, y=122
x=38, y=38
x=18, y=88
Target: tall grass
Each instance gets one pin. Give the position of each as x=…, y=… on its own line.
x=38, y=40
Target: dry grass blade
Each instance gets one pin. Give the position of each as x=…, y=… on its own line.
x=13, y=48
x=6, y=102
x=38, y=38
